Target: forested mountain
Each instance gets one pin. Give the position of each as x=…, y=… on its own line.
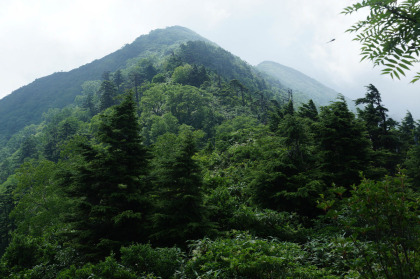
x=26, y=105
x=172, y=158
x=304, y=87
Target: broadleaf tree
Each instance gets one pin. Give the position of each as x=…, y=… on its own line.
x=389, y=34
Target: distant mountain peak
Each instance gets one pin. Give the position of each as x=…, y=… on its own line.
x=303, y=86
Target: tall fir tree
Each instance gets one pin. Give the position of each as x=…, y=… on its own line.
x=180, y=214
x=118, y=79
x=107, y=186
x=308, y=110
x=381, y=131
x=407, y=132
x=107, y=91
x=342, y=143
x=376, y=118
x=288, y=178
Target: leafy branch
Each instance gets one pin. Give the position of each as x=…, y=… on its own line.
x=389, y=35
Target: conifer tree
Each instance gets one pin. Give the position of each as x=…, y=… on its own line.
x=406, y=132
x=288, y=178
x=107, y=186
x=118, y=79
x=309, y=111
x=180, y=215
x=107, y=91
x=343, y=144
x=376, y=118
x=289, y=108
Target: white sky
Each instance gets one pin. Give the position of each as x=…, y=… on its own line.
x=39, y=37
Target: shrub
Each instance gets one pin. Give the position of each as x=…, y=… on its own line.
x=244, y=256
x=143, y=259
x=381, y=229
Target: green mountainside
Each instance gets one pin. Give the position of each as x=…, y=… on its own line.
x=304, y=87
x=173, y=158
x=26, y=105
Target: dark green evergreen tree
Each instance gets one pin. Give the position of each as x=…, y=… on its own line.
x=407, y=132
x=412, y=164
x=275, y=115
x=118, y=79
x=288, y=179
x=376, y=118
x=107, y=186
x=381, y=131
x=89, y=105
x=343, y=144
x=308, y=111
x=289, y=108
x=107, y=94
x=180, y=215
x=106, y=76
x=28, y=149
x=7, y=204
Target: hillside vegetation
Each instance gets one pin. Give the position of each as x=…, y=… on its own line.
x=184, y=161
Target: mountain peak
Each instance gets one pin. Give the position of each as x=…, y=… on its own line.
x=25, y=105
x=171, y=34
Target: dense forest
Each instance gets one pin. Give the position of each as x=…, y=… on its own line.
x=189, y=163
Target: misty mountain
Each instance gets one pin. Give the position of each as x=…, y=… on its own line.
x=27, y=104
x=303, y=86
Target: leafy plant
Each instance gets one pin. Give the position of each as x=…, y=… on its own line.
x=389, y=35
x=381, y=224
x=244, y=256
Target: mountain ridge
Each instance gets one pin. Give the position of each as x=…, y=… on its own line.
x=59, y=89
x=26, y=105
x=304, y=86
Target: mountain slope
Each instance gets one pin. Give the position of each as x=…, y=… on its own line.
x=268, y=80
x=26, y=104
x=303, y=86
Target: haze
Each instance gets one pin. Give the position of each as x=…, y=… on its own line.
x=46, y=36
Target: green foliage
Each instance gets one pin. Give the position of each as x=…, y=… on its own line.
x=106, y=186
x=28, y=103
x=413, y=166
x=380, y=221
x=408, y=132
x=201, y=53
x=389, y=35
x=376, y=118
x=143, y=259
x=309, y=110
x=190, y=75
x=137, y=261
x=287, y=178
x=238, y=130
x=267, y=223
x=39, y=199
x=6, y=206
x=229, y=152
x=180, y=214
x=244, y=256
x=343, y=145
x=162, y=102
x=24, y=252
x=107, y=269
x=107, y=95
